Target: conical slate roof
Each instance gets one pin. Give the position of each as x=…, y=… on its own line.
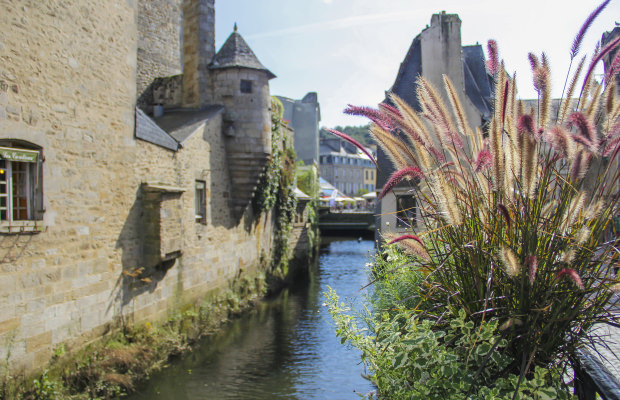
x=235, y=52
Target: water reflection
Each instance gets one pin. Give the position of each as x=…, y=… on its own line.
x=284, y=349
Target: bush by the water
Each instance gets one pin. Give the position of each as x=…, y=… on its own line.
x=509, y=268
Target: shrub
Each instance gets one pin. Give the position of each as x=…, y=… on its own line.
x=513, y=217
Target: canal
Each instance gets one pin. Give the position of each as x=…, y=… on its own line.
x=286, y=348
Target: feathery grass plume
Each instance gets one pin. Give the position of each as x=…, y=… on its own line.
x=493, y=61
x=411, y=244
x=598, y=57
x=497, y=156
x=354, y=143
x=549, y=209
x=511, y=164
x=585, y=128
x=411, y=118
x=505, y=214
x=461, y=118
x=567, y=257
x=511, y=323
x=584, y=28
x=611, y=146
x=413, y=128
x=572, y=274
x=483, y=160
x=594, y=210
x=529, y=154
x=393, y=148
x=573, y=210
x=580, y=165
x=509, y=260
x=614, y=69
x=610, y=95
x=409, y=172
x=583, y=234
x=585, y=89
x=372, y=114
x=594, y=104
x=561, y=141
x=534, y=63
x=566, y=102
x=446, y=199
x=403, y=237
x=531, y=262
x=434, y=107
x=397, y=119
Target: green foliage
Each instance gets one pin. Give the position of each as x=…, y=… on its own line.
x=277, y=189
x=308, y=182
x=359, y=133
x=510, y=230
x=408, y=357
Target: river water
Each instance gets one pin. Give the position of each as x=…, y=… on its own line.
x=286, y=348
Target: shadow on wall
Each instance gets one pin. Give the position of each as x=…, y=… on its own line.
x=140, y=243
x=13, y=247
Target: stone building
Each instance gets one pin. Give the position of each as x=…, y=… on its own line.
x=346, y=167
x=435, y=52
x=129, y=152
x=304, y=116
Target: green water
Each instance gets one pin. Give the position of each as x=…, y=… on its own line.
x=284, y=349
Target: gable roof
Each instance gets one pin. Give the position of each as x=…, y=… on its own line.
x=172, y=129
x=235, y=52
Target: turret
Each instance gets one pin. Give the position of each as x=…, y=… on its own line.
x=241, y=84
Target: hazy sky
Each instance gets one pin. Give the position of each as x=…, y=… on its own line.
x=349, y=51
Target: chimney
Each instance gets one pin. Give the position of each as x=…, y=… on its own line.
x=198, y=50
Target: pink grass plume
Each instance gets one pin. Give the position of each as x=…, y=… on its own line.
x=405, y=237
x=354, y=143
x=572, y=274
x=584, y=28
x=398, y=176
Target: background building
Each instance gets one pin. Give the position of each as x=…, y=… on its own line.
x=345, y=167
x=304, y=116
x=435, y=52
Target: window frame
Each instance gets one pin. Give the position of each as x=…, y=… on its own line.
x=406, y=214
x=200, y=201
x=246, y=86
x=29, y=188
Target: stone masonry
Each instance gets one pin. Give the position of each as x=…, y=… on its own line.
x=119, y=235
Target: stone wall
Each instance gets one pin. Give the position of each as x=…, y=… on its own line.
x=68, y=84
x=159, y=44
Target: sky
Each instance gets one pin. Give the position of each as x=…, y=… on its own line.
x=349, y=51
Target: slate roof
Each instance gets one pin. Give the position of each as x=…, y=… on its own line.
x=173, y=128
x=235, y=52
x=148, y=130
x=478, y=88
x=478, y=83
x=182, y=123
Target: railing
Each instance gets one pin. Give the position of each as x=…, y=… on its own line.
x=592, y=378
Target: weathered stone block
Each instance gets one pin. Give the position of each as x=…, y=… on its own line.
x=38, y=341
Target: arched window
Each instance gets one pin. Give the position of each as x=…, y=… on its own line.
x=21, y=186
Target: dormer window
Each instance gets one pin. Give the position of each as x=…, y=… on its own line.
x=245, y=86
x=21, y=188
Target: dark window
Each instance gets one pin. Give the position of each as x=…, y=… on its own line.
x=246, y=86
x=405, y=211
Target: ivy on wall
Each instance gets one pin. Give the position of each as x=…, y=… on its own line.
x=276, y=189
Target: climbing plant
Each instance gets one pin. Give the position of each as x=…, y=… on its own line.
x=276, y=190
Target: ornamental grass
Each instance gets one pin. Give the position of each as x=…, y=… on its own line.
x=513, y=215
